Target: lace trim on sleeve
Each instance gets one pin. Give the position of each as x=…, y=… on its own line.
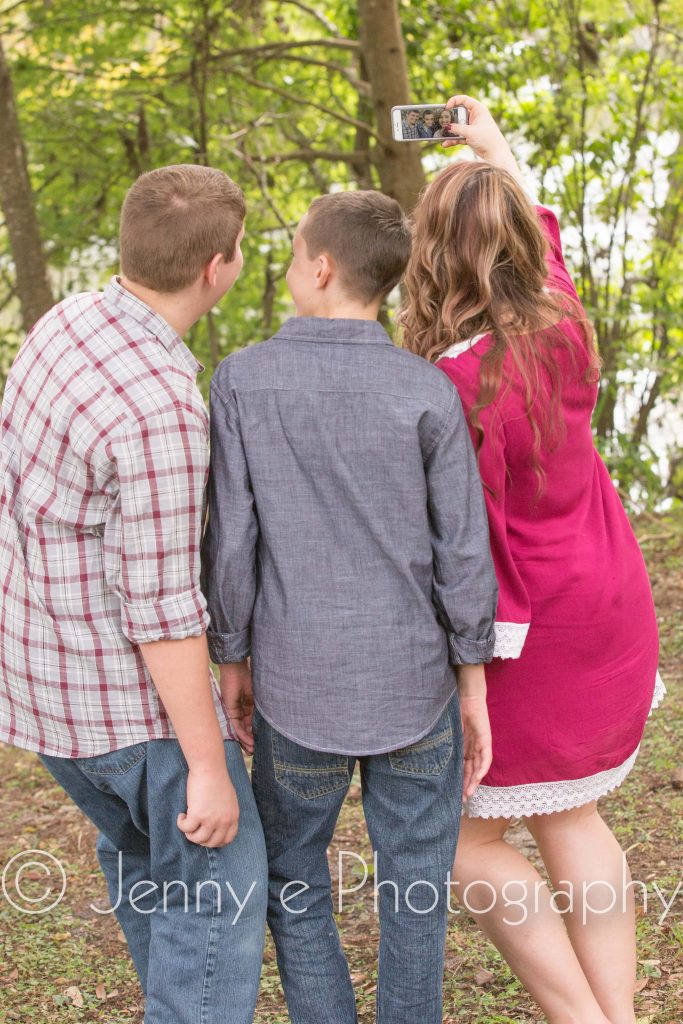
x=510, y=637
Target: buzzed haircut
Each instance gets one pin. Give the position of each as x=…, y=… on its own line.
x=174, y=220
x=367, y=235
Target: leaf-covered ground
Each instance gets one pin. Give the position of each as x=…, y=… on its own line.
x=71, y=964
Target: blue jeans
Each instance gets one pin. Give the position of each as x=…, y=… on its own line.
x=197, y=955
x=412, y=799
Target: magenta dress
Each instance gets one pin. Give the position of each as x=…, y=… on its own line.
x=574, y=675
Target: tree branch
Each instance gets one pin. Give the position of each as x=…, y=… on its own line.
x=258, y=173
x=626, y=183
x=301, y=101
x=308, y=155
x=318, y=15
x=276, y=49
x=357, y=84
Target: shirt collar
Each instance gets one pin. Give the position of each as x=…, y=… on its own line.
x=343, y=331
x=154, y=323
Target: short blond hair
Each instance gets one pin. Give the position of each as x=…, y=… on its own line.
x=174, y=220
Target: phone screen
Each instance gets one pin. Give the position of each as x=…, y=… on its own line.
x=422, y=122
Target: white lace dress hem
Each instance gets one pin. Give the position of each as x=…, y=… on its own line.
x=547, y=797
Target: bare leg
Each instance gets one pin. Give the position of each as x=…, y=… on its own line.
x=584, y=859
x=521, y=921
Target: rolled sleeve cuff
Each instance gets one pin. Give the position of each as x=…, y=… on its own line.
x=226, y=648
x=170, y=618
x=462, y=651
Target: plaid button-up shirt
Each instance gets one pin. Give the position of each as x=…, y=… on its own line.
x=104, y=459
x=410, y=131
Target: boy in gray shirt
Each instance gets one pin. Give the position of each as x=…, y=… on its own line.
x=346, y=554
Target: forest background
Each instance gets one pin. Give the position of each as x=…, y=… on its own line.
x=293, y=98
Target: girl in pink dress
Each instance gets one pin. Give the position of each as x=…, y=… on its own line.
x=574, y=675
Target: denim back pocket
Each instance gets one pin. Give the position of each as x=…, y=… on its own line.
x=430, y=755
x=114, y=762
x=308, y=773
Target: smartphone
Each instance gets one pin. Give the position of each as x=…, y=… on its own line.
x=422, y=122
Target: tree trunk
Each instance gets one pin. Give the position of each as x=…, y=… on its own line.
x=399, y=164
x=16, y=198
x=608, y=347
x=666, y=242
x=362, y=164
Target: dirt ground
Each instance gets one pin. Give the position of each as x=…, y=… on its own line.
x=71, y=964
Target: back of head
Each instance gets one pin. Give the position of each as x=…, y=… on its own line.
x=367, y=236
x=479, y=266
x=174, y=220
x=478, y=261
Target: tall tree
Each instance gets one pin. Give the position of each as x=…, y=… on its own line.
x=384, y=57
x=32, y=283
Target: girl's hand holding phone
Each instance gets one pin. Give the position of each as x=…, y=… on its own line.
x=483, y=135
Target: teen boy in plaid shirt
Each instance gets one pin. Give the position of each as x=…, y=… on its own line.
x=104, y=668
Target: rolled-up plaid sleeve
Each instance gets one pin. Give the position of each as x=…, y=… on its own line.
x=152, y=533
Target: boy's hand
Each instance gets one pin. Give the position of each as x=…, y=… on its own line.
x=212, y=808
x=238, y=697
x=476, y=728
x=478, y=748
x=180, y=671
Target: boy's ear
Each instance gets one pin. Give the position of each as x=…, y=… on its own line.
x=211, y=269
x=324, y=270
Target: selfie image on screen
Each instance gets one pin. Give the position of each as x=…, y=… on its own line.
x=436, y=123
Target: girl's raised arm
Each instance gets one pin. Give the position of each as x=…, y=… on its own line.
x=483, y=135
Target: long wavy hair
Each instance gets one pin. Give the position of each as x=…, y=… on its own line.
x=478, y=265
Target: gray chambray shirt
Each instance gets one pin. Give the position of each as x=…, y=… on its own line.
x=347, y=547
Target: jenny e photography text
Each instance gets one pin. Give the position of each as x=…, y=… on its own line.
x=35, y=882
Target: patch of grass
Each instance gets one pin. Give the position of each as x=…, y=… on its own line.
x=51, y=964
